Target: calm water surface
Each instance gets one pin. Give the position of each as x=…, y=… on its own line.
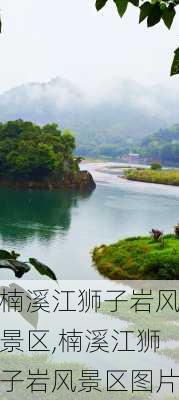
x=61, y=228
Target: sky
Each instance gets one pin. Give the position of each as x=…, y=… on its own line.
x=43, y=39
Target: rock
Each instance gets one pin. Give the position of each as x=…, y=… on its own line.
x=81, y=180
x=86, y=181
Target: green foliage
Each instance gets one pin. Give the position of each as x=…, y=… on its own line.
x=162, y=146
x=175, y=64
x=121, y=6
x=42, y=268
x=107, y=150
x=9, y=260
x=168, y=15
x=28, y=151
x=134, y=2
x=155, y=166
x=144, y=11
x=165, y=177
x=100, y=4
x=141, y=258
x=154, y=11
x=155, y=14
x=5, y=255
x=19, y=268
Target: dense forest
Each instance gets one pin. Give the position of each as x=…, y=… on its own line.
x=162, y=146
x=28, y=151
x=113, y=149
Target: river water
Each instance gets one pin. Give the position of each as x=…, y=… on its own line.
x=60, y=228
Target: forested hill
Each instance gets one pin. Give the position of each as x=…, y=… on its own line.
x=105, y=122
x=40, y=157
x=28, y=151
x=162, y=145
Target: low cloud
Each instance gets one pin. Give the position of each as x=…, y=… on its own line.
x=123, y=108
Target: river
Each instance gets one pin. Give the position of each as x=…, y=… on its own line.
x=60, y=228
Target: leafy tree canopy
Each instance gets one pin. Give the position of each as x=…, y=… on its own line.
x=153, y=11
x=28, y=151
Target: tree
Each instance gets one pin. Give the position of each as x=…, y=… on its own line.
x=154, y=11
x=28, y=151
x=155, y=166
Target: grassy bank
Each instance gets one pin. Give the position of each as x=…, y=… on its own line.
x=166, y=177
x=139, y=258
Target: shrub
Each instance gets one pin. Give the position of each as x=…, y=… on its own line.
x=156, y=166
x=140, y=258
x=164, y=176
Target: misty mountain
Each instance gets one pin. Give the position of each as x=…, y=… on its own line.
x=124, y=111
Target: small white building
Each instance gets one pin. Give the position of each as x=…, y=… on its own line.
x=133, y=158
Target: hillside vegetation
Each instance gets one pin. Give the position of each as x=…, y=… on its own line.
x=162, y=146
x=28, y=151
x=107, y=121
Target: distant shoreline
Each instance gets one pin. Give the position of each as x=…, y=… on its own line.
x=169, y=177
x=103, y=174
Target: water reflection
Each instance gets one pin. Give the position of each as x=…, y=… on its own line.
x=40, y=214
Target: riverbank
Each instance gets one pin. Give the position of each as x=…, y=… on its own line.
x=81, y=180
x=139, y=258
x=164, y=176
x=47, y=223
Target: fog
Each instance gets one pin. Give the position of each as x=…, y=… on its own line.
x=68, y=38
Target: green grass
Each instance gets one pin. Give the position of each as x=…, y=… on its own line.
x=164, y=176
x=139, y=258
